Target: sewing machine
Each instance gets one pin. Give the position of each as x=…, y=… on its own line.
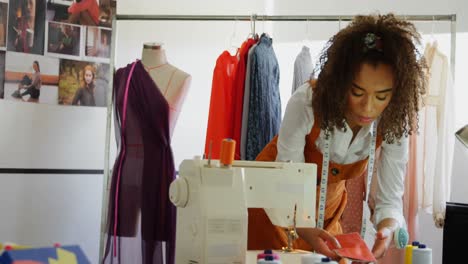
x=212, y=202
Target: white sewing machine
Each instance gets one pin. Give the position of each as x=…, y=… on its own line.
x=212, y=206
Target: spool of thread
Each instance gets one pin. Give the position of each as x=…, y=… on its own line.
x=422, y=255
x=269, y=260
x=409, y=254
x=326, y=261
x=228, y=147
x=267, y=252
x=311, y=258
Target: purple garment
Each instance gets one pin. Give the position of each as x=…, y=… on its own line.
x=145, y=216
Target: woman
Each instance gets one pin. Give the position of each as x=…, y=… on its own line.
x=370, y=76
x=84, y=96
x=33, y=89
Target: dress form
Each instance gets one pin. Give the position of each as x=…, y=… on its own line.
x=172, y=82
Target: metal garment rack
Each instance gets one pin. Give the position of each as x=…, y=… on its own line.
x=252, y=18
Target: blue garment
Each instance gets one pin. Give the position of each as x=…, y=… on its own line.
x=264, y=117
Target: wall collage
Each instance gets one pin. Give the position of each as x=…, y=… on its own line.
x=56, y=51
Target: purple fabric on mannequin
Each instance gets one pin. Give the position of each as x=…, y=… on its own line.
x=139, y=205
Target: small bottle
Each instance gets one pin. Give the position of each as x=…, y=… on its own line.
x=422, y=255
x=312, y=258
x=327, y=261
x=269, y=259
x=267, y=252
x=409, y=254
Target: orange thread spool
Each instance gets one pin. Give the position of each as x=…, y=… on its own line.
x=228, y=147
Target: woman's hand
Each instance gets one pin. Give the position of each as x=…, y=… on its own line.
x=317, y=238
x=384, y=237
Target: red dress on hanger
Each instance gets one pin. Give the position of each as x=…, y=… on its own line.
x=220, y=117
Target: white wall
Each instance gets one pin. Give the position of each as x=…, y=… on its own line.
x=39, y=210
x=68, y=137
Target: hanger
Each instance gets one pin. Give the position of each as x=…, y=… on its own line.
x=233, y=48
x=306, y=39
x=252, y=33
x=263, y=26
x=433, y=39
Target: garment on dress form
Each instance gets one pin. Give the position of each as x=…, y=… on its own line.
x=139, y=205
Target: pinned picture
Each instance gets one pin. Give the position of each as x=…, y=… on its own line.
x=63, y=39
x=80, y=12
x=3, y=24
x=26, y=24
x=83, y=83
x=98, y=42
x=31, y=78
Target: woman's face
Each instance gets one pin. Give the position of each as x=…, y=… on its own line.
x=369, y=94
x=88, y=76
x=35, y=67
x=31, y=6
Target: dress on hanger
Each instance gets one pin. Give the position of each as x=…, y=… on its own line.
x=245, y=104
x=303, y=68
x=141, y=216
x=264, y=114
x=220, y=117
x=238, y=93
x=436, y=141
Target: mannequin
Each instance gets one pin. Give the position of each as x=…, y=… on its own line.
x=172, y=82
x=148, y=97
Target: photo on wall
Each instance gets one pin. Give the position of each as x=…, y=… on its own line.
x=3, y=24
x=82, y=12
x=63, y=40
x=98, y=42
x=2, y=73
x=83, y=83
x=31, y=78
x=26, y=26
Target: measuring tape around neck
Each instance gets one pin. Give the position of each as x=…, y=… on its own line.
x=324, y=177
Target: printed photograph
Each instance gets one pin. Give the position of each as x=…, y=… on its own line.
x=63, y=39
x=3, y=24
x=2, y=73
x=81, y=12
x=31, y=78
x=26, y=26
x=98, y=42
x=83, y=83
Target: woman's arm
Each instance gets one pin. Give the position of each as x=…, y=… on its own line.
x=388, y=214
x=391, y=171
x=296, y=124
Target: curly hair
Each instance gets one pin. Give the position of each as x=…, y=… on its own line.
x=340, y=61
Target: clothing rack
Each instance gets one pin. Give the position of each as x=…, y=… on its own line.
x=252, y=18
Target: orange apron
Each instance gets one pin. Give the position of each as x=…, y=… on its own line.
x=262, y=234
